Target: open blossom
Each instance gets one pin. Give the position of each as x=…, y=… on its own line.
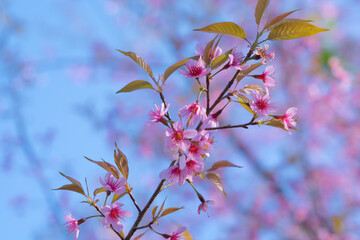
x=113, y=214
x=235, y=59
x=288, y=118
x=205, y=141
x=266, y=76
x=204, y=206
x=200, y=48
x=195, y=69
x=112, y=184
x=179, y=137
x=192, y=168
x=193, y=112
x=264, y=54
x=174, y=175
x=72, y=225
x=158, y=115
x=261, y=104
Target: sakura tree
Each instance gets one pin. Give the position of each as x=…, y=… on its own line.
x=191, y=131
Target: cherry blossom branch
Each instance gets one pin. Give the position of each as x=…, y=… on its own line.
x=134, y=201
x=207, y=95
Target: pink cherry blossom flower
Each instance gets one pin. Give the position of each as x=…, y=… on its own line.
x=113, y=214
x=192, y=168
x=173, y=175
x=235, y=59
x=266, y=76
x=72, y=225
x=211, y=121
x=261, y=104
x=288, y=118
x=205, y=141
x=195, y=69
x=264, y=54
x=180, y=137
x=112, y=184
x=194, y=112
x=200, y=48
x=176, y=235
x=158, y=115
x=204, y=206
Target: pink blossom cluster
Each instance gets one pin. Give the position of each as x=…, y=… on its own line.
x=189, y=147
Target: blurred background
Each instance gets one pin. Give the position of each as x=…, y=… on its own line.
x=59, y=72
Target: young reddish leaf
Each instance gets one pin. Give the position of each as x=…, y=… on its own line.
x=278, y=19
x=286, y=20
x=107, y=166
x=260, y=10
x=207, y=50
x=121, y=162
x=117, y=197
x=244, y=101
x=99, y=190
x=170, y=210
x=153, y=211
x=293, y=30
x=136, y=85
x=219, y=60
x=75, y=186
x=162, y=206
x=248, y=89
x=221, y=164
x=141, y=62
x=140, y=236
x=247, y=71
x=216, y=180
x=227, y=28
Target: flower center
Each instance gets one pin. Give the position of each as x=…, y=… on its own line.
x=261, y=104
x=194, y=71
x=114, y=213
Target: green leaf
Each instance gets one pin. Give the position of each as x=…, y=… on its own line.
x=247, y=71
x=141, y=62
x=107, y=166
x=244, y=101
x=227, y=28
x=174, y=67
x=117, y=197
x=278, y=124
x=216, y=180
x=121, y=162
x=99, y=190
x=286, y=20
x=260, y=10
x=75, y=186
x=293, y=30
x=136, y=85
x=207, y=50
x=170, y=210
x=278, y=19
x=221, y=164
x=219, y=60
x=153, y=211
